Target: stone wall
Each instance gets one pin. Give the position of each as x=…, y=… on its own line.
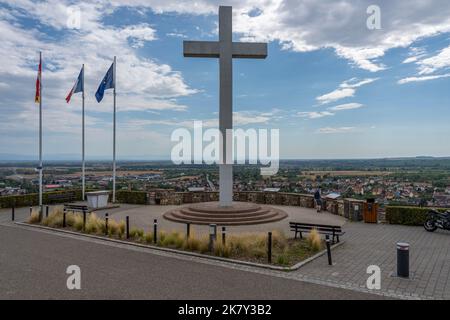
x=349, y=208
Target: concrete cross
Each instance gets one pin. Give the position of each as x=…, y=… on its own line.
x=225, y=49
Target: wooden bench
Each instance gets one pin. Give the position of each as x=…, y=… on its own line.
x=75, y=208
x=61, y=197
x=333, y=231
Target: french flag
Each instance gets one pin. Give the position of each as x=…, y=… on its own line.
x=78, y=86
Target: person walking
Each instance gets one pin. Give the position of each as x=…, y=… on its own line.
x=318, y=200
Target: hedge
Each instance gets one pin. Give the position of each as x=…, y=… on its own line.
x=32, y=199
x=410, y=216
x=132, y=197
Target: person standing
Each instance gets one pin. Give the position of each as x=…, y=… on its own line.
x=318, y=200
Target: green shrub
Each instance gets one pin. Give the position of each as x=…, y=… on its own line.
x=113, y=228
x=148, y=238
x=70, y=219
x=132, y=197
x=94, y=224
x=54, y=219
x=222, y=250
x=282, y=259
x=137, y=234
x=34, y=217
x=32, y=199
x=171, y=239
x=78, y=221
x=121, y=230
x=410, y=216
x=314, y=241
x=193, y=243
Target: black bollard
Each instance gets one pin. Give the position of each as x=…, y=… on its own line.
x=127, y=227
x=64, y=218
x=155, y=231
x=269, y=247
x=224, y=231
x=84, y=220
x=188, y=230
x=46, y=211
x=327, y=241
x=31, y=210
x=214, y=230
x=13, y=213
x=212, y=236
x=403, y=260
x=106, y=223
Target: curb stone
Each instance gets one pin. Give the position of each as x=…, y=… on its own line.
x=192, y=254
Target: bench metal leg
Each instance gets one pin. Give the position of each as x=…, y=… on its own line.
x=301, y=236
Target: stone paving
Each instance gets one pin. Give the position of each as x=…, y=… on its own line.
x=143, y=216
x=367, y=244
x=364, y=245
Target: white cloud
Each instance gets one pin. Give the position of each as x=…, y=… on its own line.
x=321, y=114
x=240, y=118
x=176, y=35
x=346, y=89
x=423, y=78
x=347, y=106
x=299, y=26
x=435, y=63
x=310, y=25
x=142, y=83
x=4, y=85
x=335, y=95
x=356, y=83
x=331, y=130
x=138, y=34
x=415, y=54
x=315, y=114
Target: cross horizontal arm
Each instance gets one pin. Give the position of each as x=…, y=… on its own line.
x=210, y=49
x=201, y=49
x=250, y=50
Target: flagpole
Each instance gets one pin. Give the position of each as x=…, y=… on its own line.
x=40, y=133
x=114, y=135
x=82, y=144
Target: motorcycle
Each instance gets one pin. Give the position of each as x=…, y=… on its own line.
x=437, y=220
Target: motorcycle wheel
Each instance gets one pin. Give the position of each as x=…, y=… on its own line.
x=429, y=225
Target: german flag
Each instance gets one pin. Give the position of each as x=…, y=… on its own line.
x=37, y=97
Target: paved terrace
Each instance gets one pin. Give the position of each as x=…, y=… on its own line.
x=365, y=244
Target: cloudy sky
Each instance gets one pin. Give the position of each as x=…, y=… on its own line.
x=334, y=87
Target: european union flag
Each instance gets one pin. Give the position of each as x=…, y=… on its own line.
x=107, y=83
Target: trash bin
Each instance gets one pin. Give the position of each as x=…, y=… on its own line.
x=403, y=259
x=356, y=212
x=370, y=211
x=97, y=199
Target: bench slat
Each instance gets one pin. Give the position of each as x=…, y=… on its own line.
x=334, y=231
x=312, y=225
x=75, y=207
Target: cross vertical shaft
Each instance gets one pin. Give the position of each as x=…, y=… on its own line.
x=226, y=104
x=225, y=49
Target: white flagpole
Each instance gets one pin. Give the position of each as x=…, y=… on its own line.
x=114, y=134
x=82, y=144
x=40, y=133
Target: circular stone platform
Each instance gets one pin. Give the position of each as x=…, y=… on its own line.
x=240, y=213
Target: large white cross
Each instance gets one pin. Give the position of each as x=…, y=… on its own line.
x=225, y=49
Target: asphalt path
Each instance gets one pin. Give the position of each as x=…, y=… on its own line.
x=33, y=266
